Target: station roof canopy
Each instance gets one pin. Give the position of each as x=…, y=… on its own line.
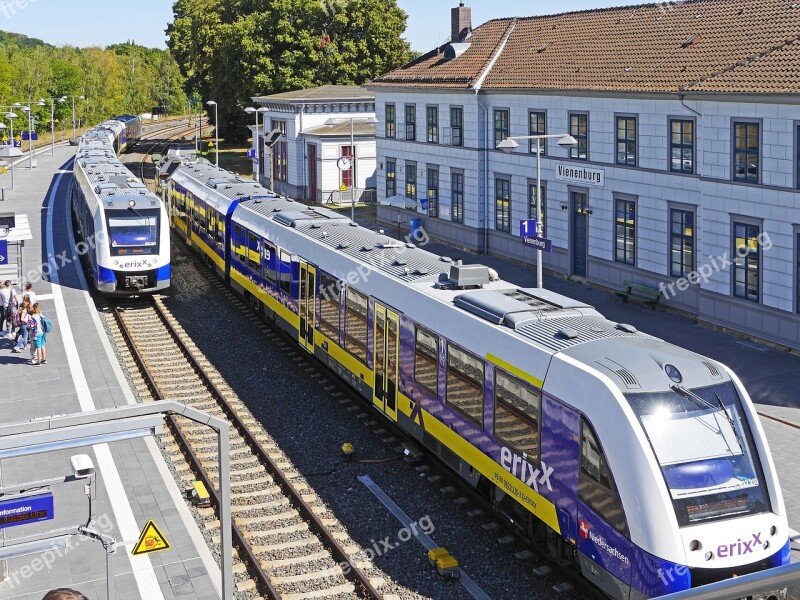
x=361, y=127
x=322, y=94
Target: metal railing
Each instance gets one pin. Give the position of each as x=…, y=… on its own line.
x=363, y=196
x=744, y=586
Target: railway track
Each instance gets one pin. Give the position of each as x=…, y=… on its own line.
x=289, y=545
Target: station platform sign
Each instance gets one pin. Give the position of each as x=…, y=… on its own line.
x=22, y=511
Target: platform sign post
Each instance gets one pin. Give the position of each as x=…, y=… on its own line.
x=3, y=252
x=538, y=243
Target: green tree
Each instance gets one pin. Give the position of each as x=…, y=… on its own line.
x=231, y=51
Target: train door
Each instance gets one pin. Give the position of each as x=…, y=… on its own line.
x=308, y=305
x=386, y=350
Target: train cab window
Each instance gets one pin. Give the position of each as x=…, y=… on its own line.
x=239, y=242
x=254, y=252
x=268, y=258
x=285, y=272
x=465, y=383
x=356, y=325
x=516, y=417
x=329, y=291
x=595, y=484
x=426, y=361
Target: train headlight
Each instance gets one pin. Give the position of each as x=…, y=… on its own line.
x=695, y=545
x=116, y=263
x=766, y=545
x=673, y=373
x=132, y=203
x=709, y=555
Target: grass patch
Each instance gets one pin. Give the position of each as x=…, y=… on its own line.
x=231, y=157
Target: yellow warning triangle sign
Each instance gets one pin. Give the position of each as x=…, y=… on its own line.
x=343, y=188
x=151, y=540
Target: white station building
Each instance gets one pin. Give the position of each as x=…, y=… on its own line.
x=686, y=172
x=318, y=126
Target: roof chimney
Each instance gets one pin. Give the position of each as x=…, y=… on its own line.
x=460, y=22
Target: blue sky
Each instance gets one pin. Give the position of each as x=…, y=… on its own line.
x=86, y=22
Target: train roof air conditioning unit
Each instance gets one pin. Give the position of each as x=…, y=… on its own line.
x=469, y=276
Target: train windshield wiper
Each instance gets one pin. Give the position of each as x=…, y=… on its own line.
x=143, y=218
x=687, y=393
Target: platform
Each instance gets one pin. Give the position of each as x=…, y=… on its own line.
x=82, y=374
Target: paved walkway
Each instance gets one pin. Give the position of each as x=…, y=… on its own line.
x=82, y=374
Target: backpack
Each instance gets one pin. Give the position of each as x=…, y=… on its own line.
x=47, y=325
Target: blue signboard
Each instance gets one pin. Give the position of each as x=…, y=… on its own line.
x=251, y=153
x=15, y=143
x=538, y=243
x=32, y=135
x=3, y=252
x=22, y=511
x=527, y=228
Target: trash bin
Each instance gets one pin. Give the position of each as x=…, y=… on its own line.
x=416, y=227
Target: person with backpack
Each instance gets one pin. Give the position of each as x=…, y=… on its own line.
x=24, y=317
x=41, y=326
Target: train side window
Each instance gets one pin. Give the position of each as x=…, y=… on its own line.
x=329, y=289
x=356, y=325
x=285, y=272
x=253, y=252
x=268, y=258
x=219, y=231
x=239, y=242
x=212, y=222
x=426, y=361
x=516, y=417
x=465, y=383
x=596, y=485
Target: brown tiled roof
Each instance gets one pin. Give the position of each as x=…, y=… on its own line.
x=746, y=46
x=335, y=93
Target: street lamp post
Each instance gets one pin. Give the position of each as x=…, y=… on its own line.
x=11, y=116
x=29, y=111
x=216, y=127
x=256, y=137
x=74, y=122
x=353, y=180
x=508, y=145
x=53, y=101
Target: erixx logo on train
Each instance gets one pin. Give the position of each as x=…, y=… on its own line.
x=740, y=548
x=521, y=468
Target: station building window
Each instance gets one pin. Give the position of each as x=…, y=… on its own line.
x=625, y=226
x=391, y=178
x=681, y=146
x=433, y=191
x=390, y=121
x=502, y=204
x=682, y=242
x=411, y=122
x=516, y=418
x=465, y=373
x=579, y=129
x=411, y=181
x=432, y=113
x=280, y=154
x=746, y=154
x=501, y=125
x=595, y=484
x=537, y=125
x=626, y=141
x=329, y=291
x=533, y=207
x=746, y=262
x=426, y=361
x=457, y=125
x=457, y=196
x=356, y=324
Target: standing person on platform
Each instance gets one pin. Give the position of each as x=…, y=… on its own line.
x=30, y=293
x=5, y=300
x=24, y=325
x=37, y=345
x=64, y=594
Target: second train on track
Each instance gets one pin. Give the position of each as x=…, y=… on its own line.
x=643, y=463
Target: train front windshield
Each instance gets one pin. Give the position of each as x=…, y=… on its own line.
x=133, y=233
x=706, y=452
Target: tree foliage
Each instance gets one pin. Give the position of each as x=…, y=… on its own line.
x=124, y=78
x=232, y=50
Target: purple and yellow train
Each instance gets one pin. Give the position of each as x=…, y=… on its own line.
x=641, y=461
